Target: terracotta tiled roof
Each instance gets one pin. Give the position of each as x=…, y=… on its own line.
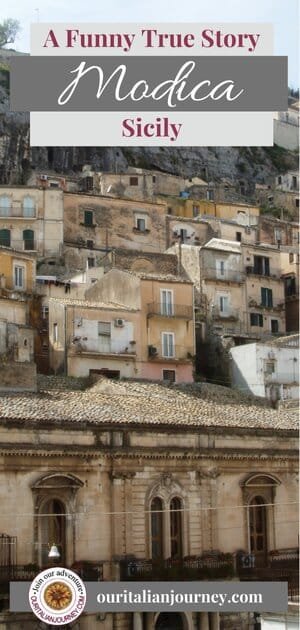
x=141, y=403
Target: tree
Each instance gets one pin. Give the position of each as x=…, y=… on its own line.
x=9, y=30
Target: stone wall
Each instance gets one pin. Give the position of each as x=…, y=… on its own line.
x=18, y=377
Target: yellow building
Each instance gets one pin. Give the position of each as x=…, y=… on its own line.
x=17, y=281
x=31, y=219
x=191, y=208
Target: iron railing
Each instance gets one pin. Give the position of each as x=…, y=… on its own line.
x=180, y=311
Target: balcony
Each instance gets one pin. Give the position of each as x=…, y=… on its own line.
x=274, y=274
x=277, y=304
x=229, y=314
x=213, y=567
x=174, y=353
x=89, y=571
x=177, y=311
x=228, y=275
x=16, y=211
x=281, y=564
x=81, y=346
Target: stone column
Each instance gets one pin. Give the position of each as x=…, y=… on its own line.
x=215, y=621
x=137, y=621
x=203, y=621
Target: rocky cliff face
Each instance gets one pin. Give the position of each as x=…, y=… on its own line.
x=17, y=159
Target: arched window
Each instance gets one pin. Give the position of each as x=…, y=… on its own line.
x=176, y=527
x=5, y=238
x=54, y=504
x=5, y=204
x=28, y=207
x=28, y=239
x=156, y=528
x=52, y=529
x=258, y=528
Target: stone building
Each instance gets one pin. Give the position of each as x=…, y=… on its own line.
x=31, y=219
x=290, y=275
x=137, y=481
x=17, y=281
x=286, y=127
x=132, y=323
x=268, y=369
x=94, y=225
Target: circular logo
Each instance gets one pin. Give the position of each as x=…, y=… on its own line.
x=57, y=596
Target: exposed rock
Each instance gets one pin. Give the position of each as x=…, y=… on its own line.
x=247, y=164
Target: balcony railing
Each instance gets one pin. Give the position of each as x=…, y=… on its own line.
x=228, y=275
x=80, y=345
x=272, y=273
x=230, y=313
x=173, y=353
x=277, y=565
x=15, y=210
x=179, y=311
x=276, y=304
x=190, y=568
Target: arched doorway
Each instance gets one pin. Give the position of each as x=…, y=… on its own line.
x=258, y=530
x=52, y=529
x=169, y=621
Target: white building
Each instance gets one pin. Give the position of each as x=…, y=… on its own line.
x=288, y=182
x=269, y=370
x=286, y=127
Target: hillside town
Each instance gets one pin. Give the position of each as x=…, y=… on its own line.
x=149, y=385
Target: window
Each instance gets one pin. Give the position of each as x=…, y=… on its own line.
x=90, y=244
x=290, y=286
x=278, y=235
x=274, y=326
x=104, y=334
x=53, y=529
x=297, y=203
x=153, y=179
x=258, y=529
x=270, y=366
x=256, y=319
x=294, y=182
x=88, y=218
x=28, y=207
x=5, y=204
x=133, y=181
x=224, y=305
x=28, y=239
x=19, y=273
x=91, y=262
x=45, y=312
x=238, y=236
x=156, y=529
x=5, y=238
x=279, y=180
x=166, y=522
x=195, y=211
x=140, y=224
x=266, y=297
x=169, y=376
x=261, y=265
x=176, y=527
x=166, y=302
x=55, y=332
x=220, y=266
x=168, y=346
x=210, y=195
x=291, y=257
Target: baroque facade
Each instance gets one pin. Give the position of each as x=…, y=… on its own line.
x=137, y=481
